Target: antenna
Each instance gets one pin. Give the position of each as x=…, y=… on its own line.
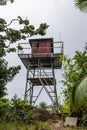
x=59, y=36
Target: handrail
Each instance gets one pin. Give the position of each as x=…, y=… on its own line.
x=28, y=50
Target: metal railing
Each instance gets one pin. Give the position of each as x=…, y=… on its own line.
x=41, y=73
x=27, y=50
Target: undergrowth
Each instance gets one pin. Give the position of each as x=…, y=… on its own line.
x=36, y=126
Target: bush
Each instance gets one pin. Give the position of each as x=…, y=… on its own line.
x=43, y=105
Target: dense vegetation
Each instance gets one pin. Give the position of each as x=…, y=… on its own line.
x=9, y=36
x=17, y=114
x=75, y=84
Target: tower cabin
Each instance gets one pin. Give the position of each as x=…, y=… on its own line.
x=44, y=50
x=41, y=47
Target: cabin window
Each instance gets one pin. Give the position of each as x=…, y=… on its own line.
x=37, y=45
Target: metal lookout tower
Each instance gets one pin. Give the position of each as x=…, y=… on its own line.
x=40, y=60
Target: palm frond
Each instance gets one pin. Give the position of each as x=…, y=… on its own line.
x=81, y=4
x=80, y=97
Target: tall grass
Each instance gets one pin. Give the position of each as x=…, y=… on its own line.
x=36, y=126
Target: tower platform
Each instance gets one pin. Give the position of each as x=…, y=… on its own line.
x=30, y=57
x=32, y=61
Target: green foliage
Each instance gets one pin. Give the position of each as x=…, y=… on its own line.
x=17, y=114
x=15, y=101
x=64, y=109
x=6, y=75
x=15, y=126
x=30, y=29
x=84, y=118
x=51, y=108
x=21, y=21
x=43, y=105
x=4, y=2
x=42, y=126
x=16, y=110
x=21, y=111
x=11, y=50
x=74, y=71
x=19, y=47
x=8, y=36
x=4, y=108
x=80, y=98
x=81, y=4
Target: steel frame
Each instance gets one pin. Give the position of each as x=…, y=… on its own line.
x=44, y=78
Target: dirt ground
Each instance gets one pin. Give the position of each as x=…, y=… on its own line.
x=58, y=126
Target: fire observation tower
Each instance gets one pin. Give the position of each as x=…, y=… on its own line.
x=41, y=58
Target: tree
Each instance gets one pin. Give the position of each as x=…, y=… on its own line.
x=6, y=75
x=81, y=4
x=4, y=2
x=75, y=71
x=9, y=36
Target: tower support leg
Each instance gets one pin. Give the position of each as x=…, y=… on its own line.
x=56, y=106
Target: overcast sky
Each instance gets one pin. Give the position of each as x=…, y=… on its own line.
x=62, y=17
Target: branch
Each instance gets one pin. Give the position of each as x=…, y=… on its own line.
x=12, y=21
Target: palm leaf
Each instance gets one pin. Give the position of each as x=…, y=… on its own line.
x=81, y=4
x=80, y=96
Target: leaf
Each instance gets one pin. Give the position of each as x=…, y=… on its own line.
x=81, y=4
x=81, y=94
x=20, y=47
x=11, y=50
